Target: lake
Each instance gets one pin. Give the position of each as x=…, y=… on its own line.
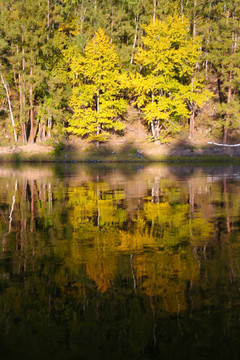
x=119, y=262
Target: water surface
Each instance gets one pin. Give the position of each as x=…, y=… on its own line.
x=119, y=262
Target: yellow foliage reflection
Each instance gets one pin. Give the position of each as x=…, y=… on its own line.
x=155, y=234
x=102, y=270
x=165, y=274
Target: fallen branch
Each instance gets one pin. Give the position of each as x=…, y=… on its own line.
x=213, y=143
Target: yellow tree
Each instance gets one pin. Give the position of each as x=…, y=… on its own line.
x=167, y=61
x=96, y=100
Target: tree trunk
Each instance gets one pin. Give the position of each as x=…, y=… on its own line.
x=21, y=116
x=49, y=125
x=10, y=107
x=48, y=22
x=24, y=132
x=192, y=122
x=154, y=9
x=181, y=7
x=82, y=17
x=225, y=133
x=20, y=101
x=39, y=131
x=31, y=109
x=157, y=128
x=192, y=104
x=112, y=24
x=31, y=98
x=135, y=38
x=23, y=92
x=44, y=132
x=153, y=129
x=98, y=125
x=227, y=120
x=194, y=19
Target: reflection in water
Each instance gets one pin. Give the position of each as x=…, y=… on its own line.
x=116, y=263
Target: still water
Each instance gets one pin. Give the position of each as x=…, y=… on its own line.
x=119, y=262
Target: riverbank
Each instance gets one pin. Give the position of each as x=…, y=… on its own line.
x=124, y=152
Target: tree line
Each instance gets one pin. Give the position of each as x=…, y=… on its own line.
x=74, y=67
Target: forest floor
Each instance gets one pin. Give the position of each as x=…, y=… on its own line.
x=134, y=146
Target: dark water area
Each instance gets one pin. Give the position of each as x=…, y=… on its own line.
x=119, y=262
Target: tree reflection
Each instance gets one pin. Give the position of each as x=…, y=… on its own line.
x=112, y=257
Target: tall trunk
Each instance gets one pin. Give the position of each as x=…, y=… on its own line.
x=157, y=128
x=40, y=131
x=192, y=121
x=82, y=16
x=21, y=105
x=48, y=19
x=135, y=38
x=98, y=125
x=112, y=24
x=153, y=129
x=24, y=132
x=154, y=9
x=192, y=105
x=153, y=122
x=31, y=107
x=230, y=89
x=48, y=22
x=15, y=76
x=31, y=95
x=23, y=91
x=21, y=112
x=227, y=120
x=209, y=30
x=194, y=19
x=95, y=12
x=44, y=132
x=9, y=106
x=49, y=125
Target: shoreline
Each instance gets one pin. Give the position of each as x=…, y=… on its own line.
x=130, y=153
x=220, y=159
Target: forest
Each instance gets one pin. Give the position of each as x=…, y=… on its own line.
x=77, y=67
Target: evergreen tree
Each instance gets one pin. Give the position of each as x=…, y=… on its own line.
x=32, y=47
x=224, y=55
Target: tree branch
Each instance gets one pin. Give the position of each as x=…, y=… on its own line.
x=226, y=145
